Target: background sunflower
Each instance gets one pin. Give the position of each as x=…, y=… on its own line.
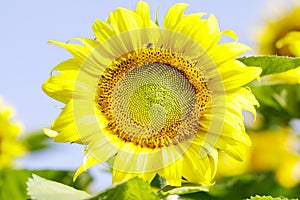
x=280, y=34
x=10, y=147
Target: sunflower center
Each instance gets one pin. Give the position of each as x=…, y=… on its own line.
x=152, y=97
x=152, y=103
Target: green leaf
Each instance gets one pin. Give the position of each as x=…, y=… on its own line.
x=271, y=64
x=257, y=197
x=156, y=182
x=40, y=188
x=36, y=140
x=184, y=189
x=15, y=181
x=243, y=187
x=278, y=104
x=135, y=189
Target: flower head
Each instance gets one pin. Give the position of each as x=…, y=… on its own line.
x=154, y=100
x=9, y=130
x=281, y=36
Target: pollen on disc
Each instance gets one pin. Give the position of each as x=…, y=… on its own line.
x=151, y=98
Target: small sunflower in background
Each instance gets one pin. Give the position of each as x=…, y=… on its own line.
x=281, y=34
x=154, y=100
x=270, y=151
x=10, y=147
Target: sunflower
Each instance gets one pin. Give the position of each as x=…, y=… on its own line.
x=9, y=130
x=279, y=154
x=153, y=100
x=281, y=36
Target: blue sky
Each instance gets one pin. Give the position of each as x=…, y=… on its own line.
x=27, y=59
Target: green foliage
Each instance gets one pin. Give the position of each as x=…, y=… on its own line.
x=243, y=187
x=35, y=141
x=233, y=188
x=156, y=182
x=40, y=188
x=135, y=189
x=267, y=198
x=184, y=189
x=278, y=104
x=13, y=182
x=271, y=64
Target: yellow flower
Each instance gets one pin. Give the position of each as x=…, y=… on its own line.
x=281, y=36
x=270, y=150
x=291, y=76
x=9, y=130
x=229, y=166
x=154, y=100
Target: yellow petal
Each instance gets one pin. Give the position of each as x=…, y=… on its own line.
x=196, y=169
x=227, y=51
x=213, y=122
x=235, y=74
x=173, y=172
x=213, y=159
x=246, y=100
x=143, y=10
x=205, y=32
x=102, y=30
x=231, y=34
x=124, y=20
x=190, y=24
x=89, y=43
x=237, y=151
x=229, y=166
x=101, y=154
x=174, y=15
x=78, y=51
x=88, y=162
x=65, y=126
x=68, y=134
x=230, y=126
x=61, y=86
x=49, y=132
x=119, y=176
x=131, y=154
x=213, y=29
x=209, y=34
x=70, y=64
x=233, y=144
